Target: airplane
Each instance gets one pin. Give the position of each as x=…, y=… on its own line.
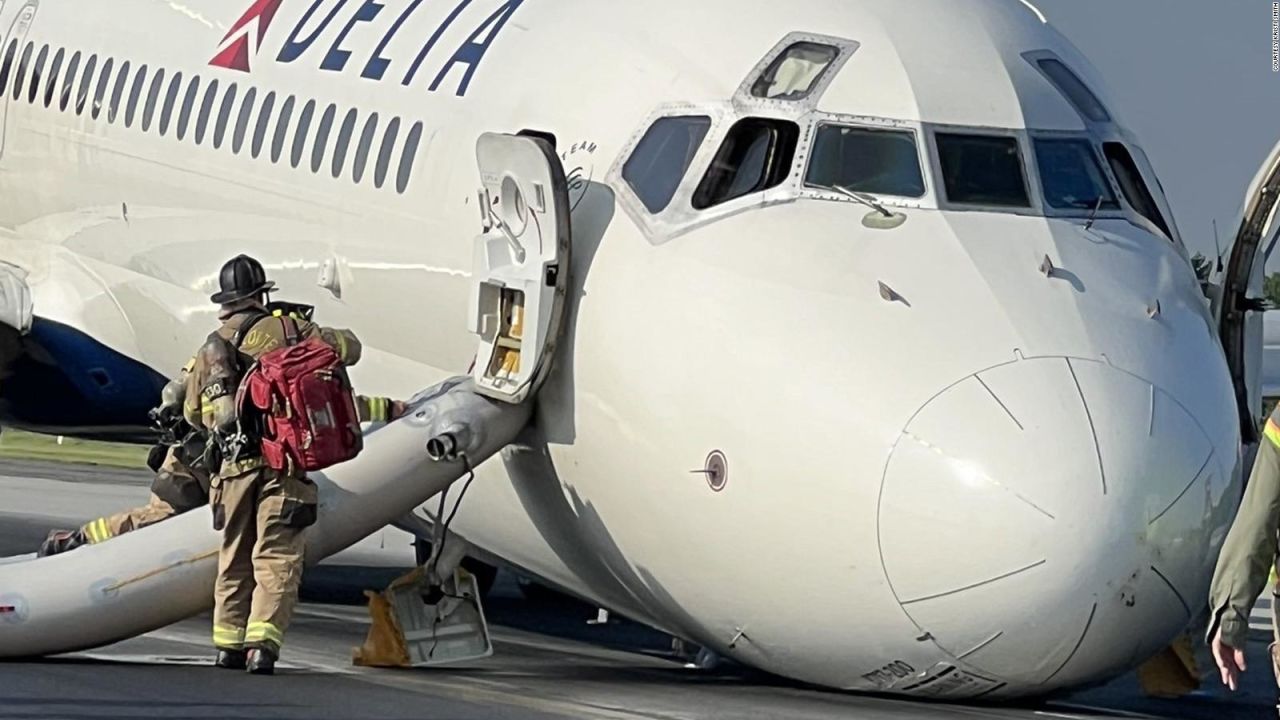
x=860, y=343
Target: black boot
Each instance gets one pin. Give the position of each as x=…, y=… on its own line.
x=60, y=541
x=231, y=659
x=261, y=662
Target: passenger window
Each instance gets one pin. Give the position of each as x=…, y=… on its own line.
x=206, y=111
x=69, y=82
x=982, y=170
x=300, y=137
x=224, y=116
x=170, y=103
x=86, y=84
x=242, y=122
x=880, y=162
x=322, y=137
x=153, y=99
x=384, y=154
x=1133, y=186
x=756, y=155
x=264, y=120
x=662, y=157
x=1077, y=93
x=7, y=68
x=1072, y=177
x=796, y=72
x=55, y=72
x=408, y=157
x=104, y=82
x=341, y=147
x=20, y=80
x=37, y=72
x=118, y=93
x=366, y=145
x=282, y=129
x=135, y=96
x=188, y=107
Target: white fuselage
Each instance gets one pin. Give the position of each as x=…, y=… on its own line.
x=1005, y=478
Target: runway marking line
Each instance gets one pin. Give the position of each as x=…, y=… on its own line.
x=136, y=659
x=1119, y=713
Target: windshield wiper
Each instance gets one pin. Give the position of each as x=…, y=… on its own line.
x=1087, y=204
x=863, y=198
x=1093, y=215
x=1093, y=205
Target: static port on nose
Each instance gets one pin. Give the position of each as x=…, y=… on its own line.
x=1047, y=519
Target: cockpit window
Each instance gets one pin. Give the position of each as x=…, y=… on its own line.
x=796, y=72
x=1079, y=94
x=662, y=157
x=1072, y=177
x=982, y=170
x=756, y=155
x=869, y=160
x=1132, y=185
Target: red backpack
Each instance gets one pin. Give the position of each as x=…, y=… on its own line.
x=307, y=408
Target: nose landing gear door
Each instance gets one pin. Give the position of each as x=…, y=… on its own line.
x=1240, y=304
x=520, y=264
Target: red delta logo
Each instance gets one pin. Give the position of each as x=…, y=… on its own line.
x=245, y=37
x=441, y=47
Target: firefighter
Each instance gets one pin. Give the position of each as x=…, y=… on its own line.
x=1247, y=557
x=178, y=487
x=261, y=512
x=181, y=482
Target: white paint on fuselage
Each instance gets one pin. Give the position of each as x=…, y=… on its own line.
x=762, y=335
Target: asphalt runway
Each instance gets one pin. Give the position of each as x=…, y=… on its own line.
x=548, y=663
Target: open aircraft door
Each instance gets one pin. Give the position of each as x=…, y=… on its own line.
x=16, y=17
x=1239, y=304
x=521, y=264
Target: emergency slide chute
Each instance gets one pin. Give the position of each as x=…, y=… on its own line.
x=147, y=579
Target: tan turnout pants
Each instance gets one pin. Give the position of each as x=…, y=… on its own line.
x=104, y=529
x=262, y=515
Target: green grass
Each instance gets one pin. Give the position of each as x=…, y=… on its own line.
x=18, y=445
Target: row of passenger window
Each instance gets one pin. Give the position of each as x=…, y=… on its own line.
x=976, y=169
x=190, y=107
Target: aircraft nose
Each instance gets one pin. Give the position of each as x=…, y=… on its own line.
x=1047, y=521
